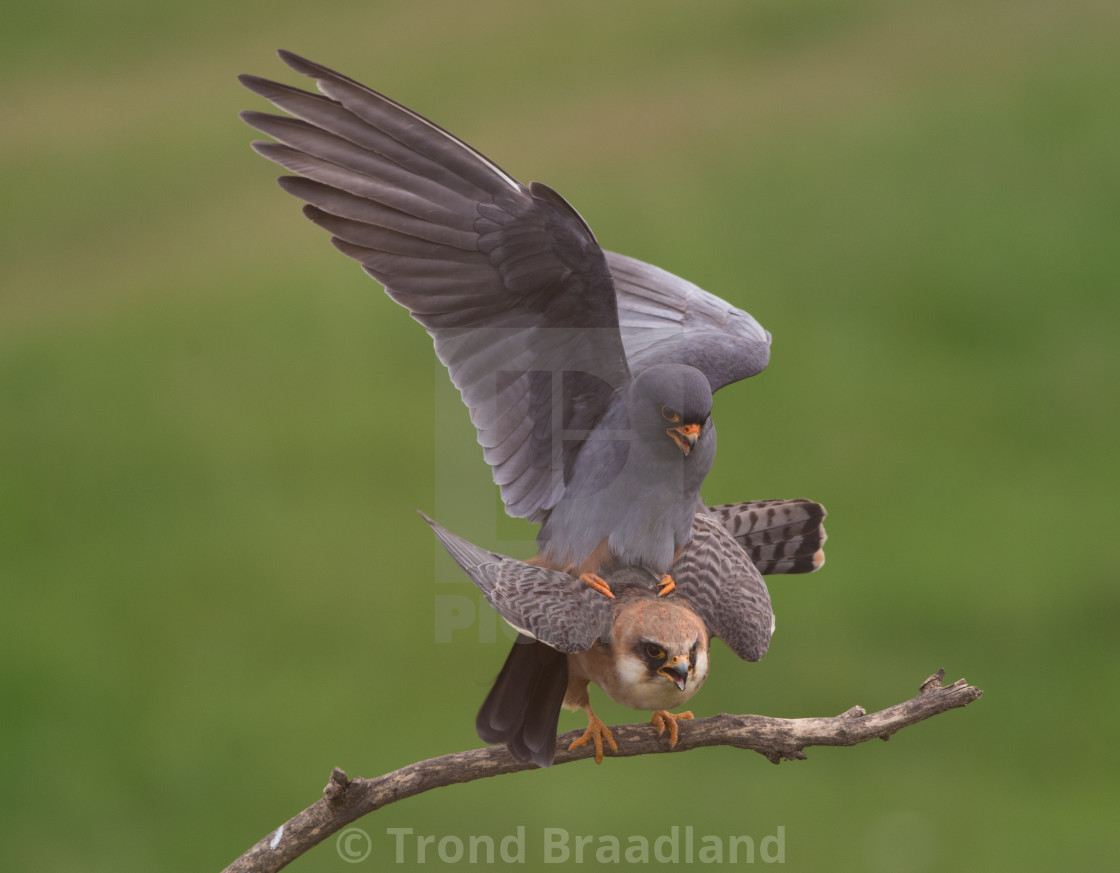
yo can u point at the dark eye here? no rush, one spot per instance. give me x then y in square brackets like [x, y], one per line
[655, 651]
[669, 414]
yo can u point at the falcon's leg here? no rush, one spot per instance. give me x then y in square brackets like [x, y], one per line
[663, 719]
[593, 580]
[595, 732]
[665, 585]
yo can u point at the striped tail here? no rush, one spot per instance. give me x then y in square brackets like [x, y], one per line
[780, 536]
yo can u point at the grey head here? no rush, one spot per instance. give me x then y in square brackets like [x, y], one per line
[636, 481]
[670, 400]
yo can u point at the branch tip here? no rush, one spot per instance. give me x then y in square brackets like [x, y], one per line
[933, 682]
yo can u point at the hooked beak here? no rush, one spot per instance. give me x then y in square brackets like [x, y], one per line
[685, 436]
[677, 671]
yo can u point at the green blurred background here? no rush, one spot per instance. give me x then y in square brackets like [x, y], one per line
[214, 428]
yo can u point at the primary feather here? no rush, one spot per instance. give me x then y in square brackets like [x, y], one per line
[550, 340]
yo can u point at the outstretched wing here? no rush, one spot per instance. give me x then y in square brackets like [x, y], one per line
[547, 605]
[667, 319]
[725, 589]
[507, 278]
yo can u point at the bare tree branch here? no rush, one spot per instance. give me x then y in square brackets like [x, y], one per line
[345, 800]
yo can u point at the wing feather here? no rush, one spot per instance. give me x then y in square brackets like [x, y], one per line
[507, 279]
[547, 605]
[464, 247]
[725, 589]
[667, 319]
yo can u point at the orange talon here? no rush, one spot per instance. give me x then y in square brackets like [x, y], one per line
[662, 719]
[665, 585]
[593, 581]
[595, 732]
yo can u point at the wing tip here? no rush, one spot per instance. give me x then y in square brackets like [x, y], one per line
[301, 64]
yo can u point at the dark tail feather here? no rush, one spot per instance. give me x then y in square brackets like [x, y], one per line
[780, 536]
[522, 710]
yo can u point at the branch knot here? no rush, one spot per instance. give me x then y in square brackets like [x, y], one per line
[335, 789]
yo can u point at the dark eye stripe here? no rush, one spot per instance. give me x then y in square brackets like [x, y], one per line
[653, 652]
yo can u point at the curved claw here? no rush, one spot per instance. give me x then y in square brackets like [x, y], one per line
[665, 585]
[591, 580]
[662, 719]
[595, 733]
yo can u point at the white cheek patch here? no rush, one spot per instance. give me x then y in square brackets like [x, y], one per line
[631, 671]
[700, 671]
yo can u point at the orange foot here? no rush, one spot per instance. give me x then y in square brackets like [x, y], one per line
[662, 719]
[595, 732]
[665, 585]
[593, 581]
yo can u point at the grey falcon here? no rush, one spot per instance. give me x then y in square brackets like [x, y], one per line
[588, 375]
[645, 651]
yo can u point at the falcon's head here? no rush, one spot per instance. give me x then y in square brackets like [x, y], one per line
[672, 399]
[660, 654]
